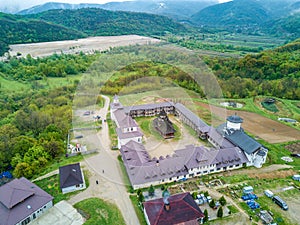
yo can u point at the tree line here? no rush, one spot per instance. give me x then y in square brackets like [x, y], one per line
[271, 72]
[29, 69]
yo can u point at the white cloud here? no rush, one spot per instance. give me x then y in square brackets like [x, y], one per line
[222, 1]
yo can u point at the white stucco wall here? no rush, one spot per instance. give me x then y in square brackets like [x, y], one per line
[125, 141]
[39, 212]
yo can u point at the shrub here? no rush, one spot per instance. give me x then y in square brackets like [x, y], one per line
[220, 212]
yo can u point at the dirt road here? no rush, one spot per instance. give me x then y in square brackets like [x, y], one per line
[104, 168]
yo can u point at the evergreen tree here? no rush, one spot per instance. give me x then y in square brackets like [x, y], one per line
[205, 219]
[141, 197]
[212, 203]
[222, 201]
[220, 212]
[151, 190]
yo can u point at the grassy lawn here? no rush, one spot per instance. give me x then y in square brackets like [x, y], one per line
[280, 216]
[125, 176]
[138, 209]
[145, 123]
[98, 211]
[11, 86]
[51, 186]
[232, 209]
[112, 131]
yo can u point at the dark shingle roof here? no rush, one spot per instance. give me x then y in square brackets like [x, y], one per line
[239, 138]
[164, 126]
[235, 119]
[202, 126]
[70, 175]
[19, 199]
[130, 134]
[127, 109]
[182, 209]
[123, 120]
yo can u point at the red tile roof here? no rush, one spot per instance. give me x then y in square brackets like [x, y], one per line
[182, 209]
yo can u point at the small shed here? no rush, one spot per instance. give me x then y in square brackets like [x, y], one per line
[247, 190]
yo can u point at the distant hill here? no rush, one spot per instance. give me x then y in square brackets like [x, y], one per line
[96, 22]
[57, 25]
[176, 9]
[15, 29]
[56, 5]
[288, 26]
[234, 13]
[280, 8]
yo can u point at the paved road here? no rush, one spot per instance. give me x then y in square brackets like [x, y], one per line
[104, 167]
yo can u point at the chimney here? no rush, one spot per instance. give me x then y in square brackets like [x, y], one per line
[167, 206]
[166, 195]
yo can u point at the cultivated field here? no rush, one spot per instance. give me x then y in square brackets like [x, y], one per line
[260, 126]
[85, 45]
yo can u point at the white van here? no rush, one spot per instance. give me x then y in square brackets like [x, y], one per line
[269, 193]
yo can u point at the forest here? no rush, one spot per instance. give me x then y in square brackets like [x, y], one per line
[269, 73]
[17, 29]
[34, 124]
[33, 129]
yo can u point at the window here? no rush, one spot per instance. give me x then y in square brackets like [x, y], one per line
[26, 221]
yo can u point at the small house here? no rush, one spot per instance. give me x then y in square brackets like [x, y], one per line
[71, 178]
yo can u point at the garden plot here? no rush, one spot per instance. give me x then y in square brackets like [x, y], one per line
[262, 127]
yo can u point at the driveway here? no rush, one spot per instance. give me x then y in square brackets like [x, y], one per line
[61, 213]
[104, 168]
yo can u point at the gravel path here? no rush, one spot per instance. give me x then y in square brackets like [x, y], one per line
[104, 168]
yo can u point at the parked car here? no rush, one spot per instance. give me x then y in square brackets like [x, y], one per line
[280, 202]
[268, 193]
[87, 113]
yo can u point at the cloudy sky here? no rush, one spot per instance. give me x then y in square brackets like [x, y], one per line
[16, 5]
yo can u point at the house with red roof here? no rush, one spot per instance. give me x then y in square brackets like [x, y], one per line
[179, 209]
